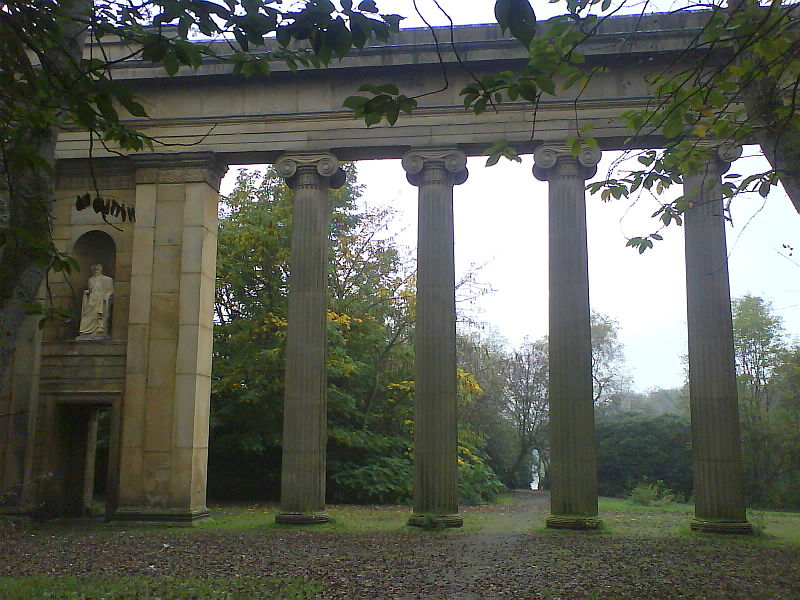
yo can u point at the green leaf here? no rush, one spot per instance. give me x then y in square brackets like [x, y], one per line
[355, 102]
[341, 39]
[516, 16]
[673, 126]
[389, 88]
[368, 6]
[283, 35]
[170, 63]
[82, 202]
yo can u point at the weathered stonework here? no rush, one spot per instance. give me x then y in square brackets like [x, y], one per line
[716, 443]
[304, 413]
[573, 463]
[164, 434]
[435, 172]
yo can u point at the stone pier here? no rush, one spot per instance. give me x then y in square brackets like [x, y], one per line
[716, 446]
[435, 172]
[164, 433]
[573, 463]
[304, 414]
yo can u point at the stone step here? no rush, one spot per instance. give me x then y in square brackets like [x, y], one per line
[83, 348]
[83, 372]
[72, 362]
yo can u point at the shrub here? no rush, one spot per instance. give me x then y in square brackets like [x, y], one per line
[637, 448]
[386, 480]
[653, 494]
[477, 482]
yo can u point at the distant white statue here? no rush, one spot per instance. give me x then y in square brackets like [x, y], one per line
[96, 305]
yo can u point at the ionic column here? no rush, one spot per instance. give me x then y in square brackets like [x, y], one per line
[435, 172]
[573, 463]
[304, 413]
[716, 447]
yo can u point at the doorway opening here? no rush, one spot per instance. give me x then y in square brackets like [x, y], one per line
[84, 474]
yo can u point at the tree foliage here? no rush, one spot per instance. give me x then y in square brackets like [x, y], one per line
[512, 410]
[766, 370]
[634, 448]
[647, 439]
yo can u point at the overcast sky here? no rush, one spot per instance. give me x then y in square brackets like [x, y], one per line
[501, 223]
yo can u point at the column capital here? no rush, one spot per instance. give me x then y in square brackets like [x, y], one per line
[452, 160]
[324, 163]
[180, 167]
[722, 154]
[557, 159]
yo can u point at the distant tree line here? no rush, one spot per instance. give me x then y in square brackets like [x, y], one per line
[647, 438]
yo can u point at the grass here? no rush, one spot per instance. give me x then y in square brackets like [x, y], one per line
[620, 517]
[156, 588]
[344, 519]
[493, 518]
[626, 518]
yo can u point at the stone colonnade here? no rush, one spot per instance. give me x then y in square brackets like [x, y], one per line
[163, 435]
[715, 426]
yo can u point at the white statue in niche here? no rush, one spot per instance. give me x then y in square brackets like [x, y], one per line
[96, 305]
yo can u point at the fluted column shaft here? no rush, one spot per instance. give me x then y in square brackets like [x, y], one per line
[304, 413]
[572, 449]
[716, 446]
[435, 426]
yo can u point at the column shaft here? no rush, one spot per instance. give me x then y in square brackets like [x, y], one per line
[716, 449]
[305, 409]
[573, 463]
[435, 425]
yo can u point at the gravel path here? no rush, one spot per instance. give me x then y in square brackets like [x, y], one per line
[423, 565]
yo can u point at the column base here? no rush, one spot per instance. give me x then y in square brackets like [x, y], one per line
[428, 521]
[286, 518]
[714, 526]
[174, 516]
[573, 522]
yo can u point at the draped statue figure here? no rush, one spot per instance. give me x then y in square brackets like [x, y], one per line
[96, 305]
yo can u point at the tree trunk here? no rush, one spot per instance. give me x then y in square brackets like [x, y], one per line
[29, 191]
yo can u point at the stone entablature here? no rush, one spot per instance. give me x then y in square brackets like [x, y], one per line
[251, 120]
[632, 34]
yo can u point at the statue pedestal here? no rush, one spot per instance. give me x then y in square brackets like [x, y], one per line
[88, 337]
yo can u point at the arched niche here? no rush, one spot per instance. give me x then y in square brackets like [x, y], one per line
[91, 248]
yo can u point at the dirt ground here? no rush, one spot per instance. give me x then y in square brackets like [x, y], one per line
[429, 565]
